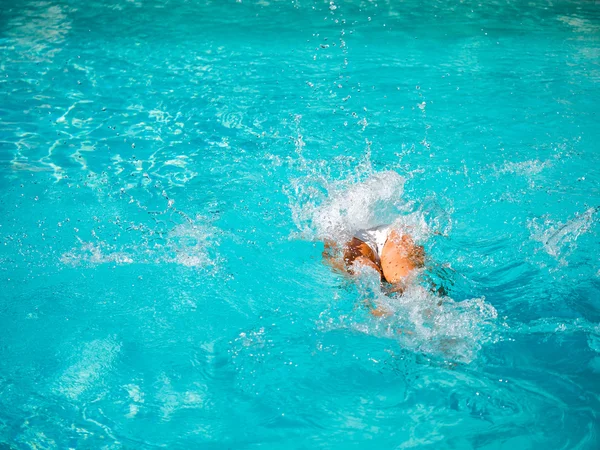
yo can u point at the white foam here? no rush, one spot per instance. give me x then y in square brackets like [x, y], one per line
[189, 242]
[335, 210]
[420, 320]
[186, 244]
[525, 168]
[558, 238]
[94, 253]
[136, 395]
[91, 362]
[363, 205]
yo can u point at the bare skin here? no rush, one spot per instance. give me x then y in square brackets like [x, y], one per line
[400, 256]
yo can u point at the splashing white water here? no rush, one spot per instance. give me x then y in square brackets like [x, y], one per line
[525, 168]
[560, 239]
[89, 364]
[186, 244]
[419, 320]
[336, 210]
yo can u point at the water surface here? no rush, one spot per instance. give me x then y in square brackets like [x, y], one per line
[167, 170]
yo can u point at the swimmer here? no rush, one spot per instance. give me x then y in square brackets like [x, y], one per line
[393, 254]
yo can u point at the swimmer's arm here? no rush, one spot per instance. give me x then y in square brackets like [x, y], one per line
[335, 263]
[354, 255]
[380, 312]
[376, 310]
[366, 262]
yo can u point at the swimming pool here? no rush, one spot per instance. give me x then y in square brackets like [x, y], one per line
[168, 169]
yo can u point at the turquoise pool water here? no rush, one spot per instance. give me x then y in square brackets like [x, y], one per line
[168, 169]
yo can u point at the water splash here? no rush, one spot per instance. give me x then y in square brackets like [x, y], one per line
[525, 168]
[348, 207]
[186, 244]
[325, 208]
[419, 320]
[90, 364]
[559, 239]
